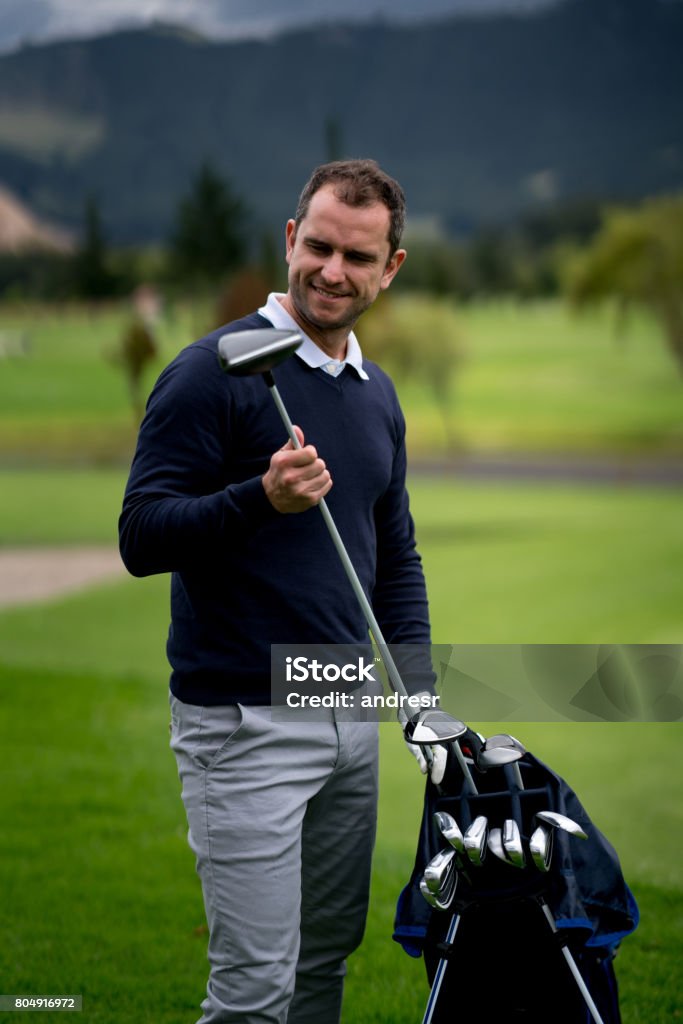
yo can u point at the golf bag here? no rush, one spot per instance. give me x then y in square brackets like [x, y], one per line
[494, 950]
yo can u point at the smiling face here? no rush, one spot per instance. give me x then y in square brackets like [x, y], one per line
[338, 263]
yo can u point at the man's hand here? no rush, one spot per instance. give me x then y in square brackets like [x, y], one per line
[427, 734]
[430, 733]
[296, 478]
[439, 757]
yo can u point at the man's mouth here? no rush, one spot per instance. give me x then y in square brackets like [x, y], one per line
[328, 294]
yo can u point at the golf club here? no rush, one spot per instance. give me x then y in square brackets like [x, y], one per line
[499, 750]
[541, 847]
[450, 830]
[253, 352]
[558, 820]
[571, 963]
[512, 843]
[435, 872]
[442, 899]
[495, 844]
[475, 840]
[440, 971]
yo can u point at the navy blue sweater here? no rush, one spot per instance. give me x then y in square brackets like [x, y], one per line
[245, 575]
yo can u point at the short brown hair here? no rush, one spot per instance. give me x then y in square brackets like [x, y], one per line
[359, 183]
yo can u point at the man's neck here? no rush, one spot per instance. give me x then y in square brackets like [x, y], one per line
[332, 343]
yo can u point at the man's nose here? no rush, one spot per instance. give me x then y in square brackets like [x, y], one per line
[333, 268]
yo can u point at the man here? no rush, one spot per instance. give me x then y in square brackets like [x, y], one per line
[281, 813]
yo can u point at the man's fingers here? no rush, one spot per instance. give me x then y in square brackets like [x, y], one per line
[289, 446]
[296, 457]
[297, 478]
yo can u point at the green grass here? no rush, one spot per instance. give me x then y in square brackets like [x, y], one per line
[99, 894]
[518, 563]
[58, 507]
[533, 379]
[66, 401]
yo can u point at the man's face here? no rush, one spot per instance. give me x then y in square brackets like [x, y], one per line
[338, 261]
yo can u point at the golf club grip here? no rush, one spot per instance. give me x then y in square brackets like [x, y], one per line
[389, 663]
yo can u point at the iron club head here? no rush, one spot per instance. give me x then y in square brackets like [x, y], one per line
[475, 840]
[512, 843]
[436, 871]
[440, 900]
[558, 820]
[495, 844]
[428, 894]
[541, 847]
[449, 829]
[246, 353]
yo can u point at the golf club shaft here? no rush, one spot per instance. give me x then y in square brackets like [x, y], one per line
[389, 663]
[571, 963]
[392, 670]
[440, 971]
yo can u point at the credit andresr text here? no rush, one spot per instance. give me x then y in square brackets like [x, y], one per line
[341, 699]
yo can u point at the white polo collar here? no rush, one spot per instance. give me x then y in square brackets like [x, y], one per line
[311, 354]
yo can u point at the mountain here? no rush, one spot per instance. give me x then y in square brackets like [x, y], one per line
[479, 118]
[22, 232]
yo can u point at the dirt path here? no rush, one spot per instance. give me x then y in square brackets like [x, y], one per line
[38, 574]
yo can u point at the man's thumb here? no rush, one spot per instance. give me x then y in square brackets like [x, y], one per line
[290, 445]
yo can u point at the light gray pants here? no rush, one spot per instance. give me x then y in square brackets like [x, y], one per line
[282, 819]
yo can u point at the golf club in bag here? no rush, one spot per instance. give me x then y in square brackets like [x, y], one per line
[259, 351]
[527, 922]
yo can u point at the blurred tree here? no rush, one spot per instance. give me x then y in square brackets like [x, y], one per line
[245, 292]
[437, 267]
[209, 236]
[418, 337]
[637, 259]
[92, 276]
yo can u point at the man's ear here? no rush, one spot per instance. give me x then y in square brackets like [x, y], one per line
[391, 269]
[290, 238]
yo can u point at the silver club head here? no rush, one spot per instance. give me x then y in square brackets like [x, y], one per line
[512, 843]
[427, 893]
[499, 750]
[504, 739]
[475, 840]
[558, 820]
[443, 899]
[495, 844]
[434, 727]
[496, 757]
[246, 353]
[541, 847]
[450, 830]
[435, 872]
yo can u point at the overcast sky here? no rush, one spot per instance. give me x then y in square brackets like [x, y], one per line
[40, 20]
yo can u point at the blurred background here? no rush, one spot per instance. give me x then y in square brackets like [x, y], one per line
[150, 154]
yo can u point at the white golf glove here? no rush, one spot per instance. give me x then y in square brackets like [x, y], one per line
[439, 757]
[427, 734]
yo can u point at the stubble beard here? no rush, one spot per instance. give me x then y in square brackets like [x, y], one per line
[345, 322]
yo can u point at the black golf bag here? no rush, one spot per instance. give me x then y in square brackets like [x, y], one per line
[494, 951]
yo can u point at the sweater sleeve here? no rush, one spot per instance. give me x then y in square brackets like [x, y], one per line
[177, 512]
